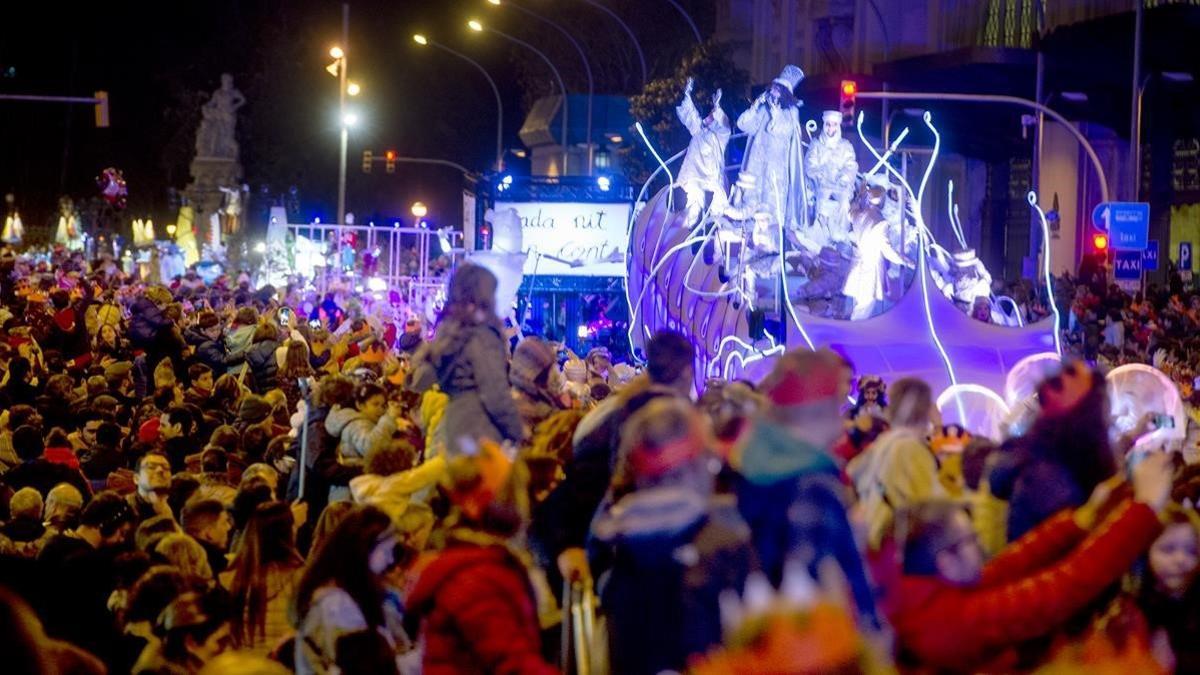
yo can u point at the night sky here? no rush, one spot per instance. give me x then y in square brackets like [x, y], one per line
[159, 61]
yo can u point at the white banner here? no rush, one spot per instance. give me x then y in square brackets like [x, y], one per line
[573, 238]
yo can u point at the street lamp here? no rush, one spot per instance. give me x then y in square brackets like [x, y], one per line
[479, 28]
[587, 67]
[419, 209]
[1135, 143]
[353, 89]
[338, 70]
[425, 41]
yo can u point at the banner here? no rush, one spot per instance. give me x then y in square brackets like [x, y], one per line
[573, 238]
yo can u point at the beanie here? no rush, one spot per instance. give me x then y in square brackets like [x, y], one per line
[254, 409]
[530, 359]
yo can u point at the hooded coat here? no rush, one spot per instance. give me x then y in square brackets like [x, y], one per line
[471, 364]
[357, 436]
[672, 553]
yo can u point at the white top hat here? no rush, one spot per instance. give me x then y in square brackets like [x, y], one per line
[831, 115]
[966, 257]
[789, 77]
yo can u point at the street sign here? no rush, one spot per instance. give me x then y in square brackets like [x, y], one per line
[1127, 266]
[1185, 256]
[1127, 224]
[1150, 256]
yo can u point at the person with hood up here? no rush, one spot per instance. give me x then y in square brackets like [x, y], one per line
[474, 599]
[535, 381]
[207, 338]
[369, 425]
[264, 366]
[469, 355]
[241, 335]
[789, 489]
[674, 546]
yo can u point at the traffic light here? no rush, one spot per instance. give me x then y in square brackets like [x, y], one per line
[101, 109]
[1100, 242]
[390, 161]
[368, 158]
[849, 94]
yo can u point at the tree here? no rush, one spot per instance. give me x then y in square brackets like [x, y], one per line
[712, 67]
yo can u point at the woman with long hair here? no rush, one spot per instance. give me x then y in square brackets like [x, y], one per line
[469, 355]
[369, 425]
[108, 346]
[295, 368]
[262, 578]
[342, 597]
[226, 397]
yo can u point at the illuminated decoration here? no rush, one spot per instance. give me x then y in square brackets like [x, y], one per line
[1136, 390]
[185, 235]
[14, 230]
[1033, 202]
[112, 187]
[976, 408]
[69, 234]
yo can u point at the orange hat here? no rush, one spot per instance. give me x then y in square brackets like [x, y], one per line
[489, 470]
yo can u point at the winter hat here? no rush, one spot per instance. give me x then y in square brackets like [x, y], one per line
[805, 377]
[532, 357]
[116, 372]
[148, 432]
[26, 502]
[65, 319]
[254, 409]
[476, 478]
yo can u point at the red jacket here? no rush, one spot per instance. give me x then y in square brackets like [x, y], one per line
[478, 614]
[1027, 591]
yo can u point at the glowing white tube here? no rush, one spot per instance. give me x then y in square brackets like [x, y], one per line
[1032, 199]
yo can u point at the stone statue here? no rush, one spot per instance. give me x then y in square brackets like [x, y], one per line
[216, 138]
[833, 167]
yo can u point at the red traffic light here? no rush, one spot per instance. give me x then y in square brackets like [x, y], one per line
[849, 87]
[1100, 242]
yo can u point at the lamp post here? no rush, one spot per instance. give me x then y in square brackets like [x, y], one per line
[587, 67]
[1135, 141]
[425, 41]
[479, 28]
[628, 31]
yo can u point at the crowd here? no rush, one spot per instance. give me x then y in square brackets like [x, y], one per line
[220, 479]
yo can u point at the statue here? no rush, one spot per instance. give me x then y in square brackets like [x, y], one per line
[703, 168]
[833, 168]
[865, 284]
[216, 137]
[774, 155]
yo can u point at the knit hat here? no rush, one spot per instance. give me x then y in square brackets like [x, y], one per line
[149, 431]
[26, 502]
[254, 409]
[530, 359]
[117, 371]
[476, 479]
[805, 377]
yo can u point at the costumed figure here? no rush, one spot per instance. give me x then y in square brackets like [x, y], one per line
[231, 211]
[775, 156]
[171, 263]
[506, 259]
[971, 280]
[185, 235]
[703, 168]
[832, 166]
[865, 284]
[143, 233]
[70, 232]
[872, 398]
[14, 230]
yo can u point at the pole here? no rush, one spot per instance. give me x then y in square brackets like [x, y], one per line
[341, 203]
[495, 91]
[557, 76]
[1010, 100]
[1135, 150]
[1136, 143]
[587, 67]
[1039, 95]
[628, 31]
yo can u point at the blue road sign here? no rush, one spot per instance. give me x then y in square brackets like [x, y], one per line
[1127, 224]
[1185, 256]
[1127, 265]
[1150, 256]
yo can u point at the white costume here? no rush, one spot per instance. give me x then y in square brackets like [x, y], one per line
[775, 156]
[832, 166]
[865, 282]
[14, 230]
[703, 168]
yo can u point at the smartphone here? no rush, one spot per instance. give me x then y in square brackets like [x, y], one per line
[315, 323]
[1164, 421]
[285, 316]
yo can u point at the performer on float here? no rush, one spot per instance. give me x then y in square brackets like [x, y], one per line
[14, 230]
[703, 168]
[832, 166]
[865, 284]
[774, 155]
[69, 233]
